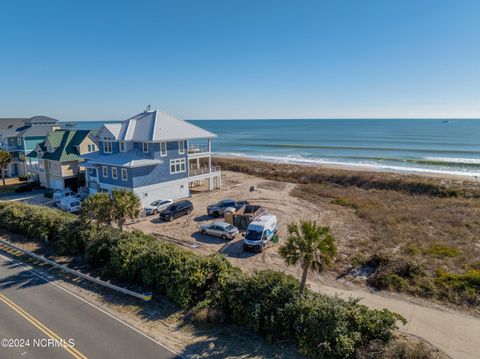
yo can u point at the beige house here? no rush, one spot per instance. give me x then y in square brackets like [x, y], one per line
[59, 162]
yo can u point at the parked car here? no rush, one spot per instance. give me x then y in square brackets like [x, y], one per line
[223, 230]
[158, 206]
[176, 210]
[218, 209]
[58, 194]
[259, 232]
[70, 204]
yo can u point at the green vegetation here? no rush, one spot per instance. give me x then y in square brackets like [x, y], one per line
[345, 202]
[267, 302]
[5, 160]
[441, 251]
[309, 245]
[429, 223]
[120, 207]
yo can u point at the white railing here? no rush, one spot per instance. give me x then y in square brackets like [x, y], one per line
[203, 171]
[194, 149]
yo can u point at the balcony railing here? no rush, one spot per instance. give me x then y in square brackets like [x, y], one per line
[7, 147]
[203, 171]
[195, 149]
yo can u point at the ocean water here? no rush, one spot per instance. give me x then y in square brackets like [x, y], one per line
[426, 145]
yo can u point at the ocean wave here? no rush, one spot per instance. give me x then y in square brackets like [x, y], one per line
[296, 159]
[367, 148]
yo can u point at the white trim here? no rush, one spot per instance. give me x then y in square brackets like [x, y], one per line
[183, 142]
[177, 162]
[114, 173]
[104, 146]
[124, 174]
[104, 171]
[166, 151]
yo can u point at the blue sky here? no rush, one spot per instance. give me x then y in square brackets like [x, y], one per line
[87, 59]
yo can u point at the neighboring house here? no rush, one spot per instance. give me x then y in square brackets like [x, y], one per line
[20, 138]
[58, 156]
[151, 155]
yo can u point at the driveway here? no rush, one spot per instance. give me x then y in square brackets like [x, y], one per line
[34, 197]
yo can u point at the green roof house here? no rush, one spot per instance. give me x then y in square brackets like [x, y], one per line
[19, 136]
[58, 156]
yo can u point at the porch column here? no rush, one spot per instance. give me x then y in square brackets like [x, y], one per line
[198, 163]
[209, 145]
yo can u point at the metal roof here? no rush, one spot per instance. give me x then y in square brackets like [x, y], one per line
[65, 143]
[134, 158]
[155, 126]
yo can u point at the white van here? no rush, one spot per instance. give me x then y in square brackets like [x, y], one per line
[259, 232]
[70, 204]
[59, 194]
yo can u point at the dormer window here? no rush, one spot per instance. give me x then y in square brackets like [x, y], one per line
[123, 147]
[145, 147]
[49, 149]
[107, 146]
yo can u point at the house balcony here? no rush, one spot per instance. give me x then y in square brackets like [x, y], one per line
[204, 173]
[195, 151]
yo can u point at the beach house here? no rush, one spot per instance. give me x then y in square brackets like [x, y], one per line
[58, 156]
[155, 155]
[20, 137]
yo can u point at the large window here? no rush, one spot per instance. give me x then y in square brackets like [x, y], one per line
[177, 166]
[107, 146]
[181, 147]
[124, 174]
[105, 171]
[163, 149]
[145, 147]
[114, 173]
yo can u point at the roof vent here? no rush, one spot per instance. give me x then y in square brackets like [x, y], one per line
[147, 109]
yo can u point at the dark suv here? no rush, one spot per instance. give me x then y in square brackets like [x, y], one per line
[176, 210]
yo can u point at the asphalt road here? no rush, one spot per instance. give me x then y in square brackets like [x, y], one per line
[36, 315]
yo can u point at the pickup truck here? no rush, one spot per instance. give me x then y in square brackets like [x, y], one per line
[218, 209]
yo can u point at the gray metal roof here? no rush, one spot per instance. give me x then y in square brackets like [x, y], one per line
[134, 158]
[34, 131]
[9, 123]
[154, 126]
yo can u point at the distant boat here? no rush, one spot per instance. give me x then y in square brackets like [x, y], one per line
[446, 121]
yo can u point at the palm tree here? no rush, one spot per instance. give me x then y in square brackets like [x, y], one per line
[309, 245]
[126, 205]
[5, 160]
[98, 207]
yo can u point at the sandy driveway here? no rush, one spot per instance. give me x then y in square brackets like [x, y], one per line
[456, 333]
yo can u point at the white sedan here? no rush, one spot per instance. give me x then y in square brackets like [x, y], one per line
[158, 206]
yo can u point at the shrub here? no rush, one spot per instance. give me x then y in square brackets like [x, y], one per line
[23, 178]
[345, 202]
[267, 302]
[441, 251]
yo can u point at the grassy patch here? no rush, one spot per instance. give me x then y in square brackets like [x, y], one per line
[441, 251]
[345, 202]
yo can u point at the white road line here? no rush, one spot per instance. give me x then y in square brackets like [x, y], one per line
[34, 271]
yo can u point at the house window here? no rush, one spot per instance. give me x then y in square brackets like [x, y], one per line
[181, 147]
[124, 174]
[163, 149]
[105, 171]
[19, 141]
[177, 166]
[114, 173]
[107, 147]
[56, 168]
[123, 147]
[145, 147]
[91, 148]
